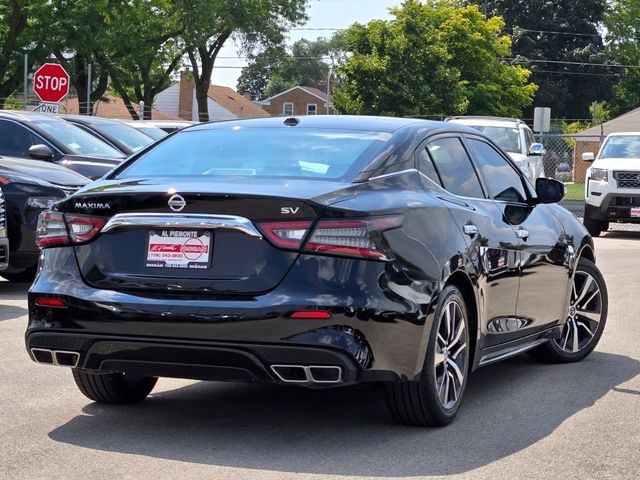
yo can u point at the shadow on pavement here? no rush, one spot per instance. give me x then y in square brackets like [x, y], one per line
[13, 291]
[622, 234]
[508, 407]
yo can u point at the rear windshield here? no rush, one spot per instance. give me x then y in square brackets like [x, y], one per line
[259, 152]
[128, 136]
[621, 146]
[75, 139]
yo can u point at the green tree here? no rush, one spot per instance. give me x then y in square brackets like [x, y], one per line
[434, 58]
[78, 37]
[623, 44]
[210, 23]
[547, 34]
[145, 51]
[307, 63]
[20, 20]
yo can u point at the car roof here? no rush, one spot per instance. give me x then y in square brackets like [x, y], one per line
[622, 134]
[486, 121]
[26, 116]
[89, 119]
[338, 122]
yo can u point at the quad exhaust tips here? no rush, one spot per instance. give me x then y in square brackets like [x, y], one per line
[308, 374]
[55, 357]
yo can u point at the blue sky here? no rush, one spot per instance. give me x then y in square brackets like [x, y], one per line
[322, 14]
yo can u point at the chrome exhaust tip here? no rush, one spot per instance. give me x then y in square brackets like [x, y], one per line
[325, 374]
[308, 374]
[61, 358]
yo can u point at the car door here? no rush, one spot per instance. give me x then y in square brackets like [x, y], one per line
[491, 242]
[541, 240]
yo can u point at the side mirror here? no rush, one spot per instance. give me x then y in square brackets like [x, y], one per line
[588, 157]
[549, 190]
[40, 152]
[537, 149]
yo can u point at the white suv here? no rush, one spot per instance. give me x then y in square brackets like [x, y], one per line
[612, 184]
[514, 137]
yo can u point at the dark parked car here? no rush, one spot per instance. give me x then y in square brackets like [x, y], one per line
[168, 126]
[154, 132]
[27, 188]
[119, 135]
[320, 251]
[44, 137]
[4, 241]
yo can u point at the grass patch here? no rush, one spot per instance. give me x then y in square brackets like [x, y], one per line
[575, 191]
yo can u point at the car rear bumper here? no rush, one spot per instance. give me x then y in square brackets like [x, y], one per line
[220, 361]
[372, 334]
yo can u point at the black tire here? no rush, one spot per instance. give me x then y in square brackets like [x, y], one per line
[556, 351]
[25, 276]
[418, 402]
[115, 388]
[594, 227]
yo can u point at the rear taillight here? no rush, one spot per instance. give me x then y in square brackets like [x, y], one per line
[83, 228]
[352, 238]
[55, 229]
[51, 230]
[285, 234]
[361, 238]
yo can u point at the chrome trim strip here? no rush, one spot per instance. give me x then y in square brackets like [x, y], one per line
[385, 175]
[189, 220]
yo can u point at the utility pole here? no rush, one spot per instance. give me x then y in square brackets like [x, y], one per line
[88, 110]
[329, 88]
[26, 79]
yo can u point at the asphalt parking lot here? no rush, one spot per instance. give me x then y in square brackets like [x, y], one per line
[520, 419]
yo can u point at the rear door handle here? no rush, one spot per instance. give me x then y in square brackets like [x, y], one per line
[522, 233]
[470, 229]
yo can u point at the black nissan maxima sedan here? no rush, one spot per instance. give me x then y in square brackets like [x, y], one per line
[318, 251]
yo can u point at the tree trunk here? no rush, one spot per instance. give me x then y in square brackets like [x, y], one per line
[202, 71]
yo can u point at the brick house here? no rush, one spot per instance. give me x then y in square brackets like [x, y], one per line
[298, 100]
[224, 103]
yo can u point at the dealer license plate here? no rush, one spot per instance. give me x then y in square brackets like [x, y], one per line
[635, 212]
[188, 249]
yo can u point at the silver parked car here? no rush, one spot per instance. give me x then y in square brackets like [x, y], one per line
[514, 137]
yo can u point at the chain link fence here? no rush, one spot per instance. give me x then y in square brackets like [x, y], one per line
[563, 161]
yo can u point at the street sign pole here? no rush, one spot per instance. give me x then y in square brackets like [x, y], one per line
[88, 110]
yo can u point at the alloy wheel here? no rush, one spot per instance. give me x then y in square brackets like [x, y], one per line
[450, 354]
[584, 314]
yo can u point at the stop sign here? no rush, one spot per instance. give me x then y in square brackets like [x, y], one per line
[51, 82]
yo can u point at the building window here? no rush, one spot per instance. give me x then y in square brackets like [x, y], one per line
[312, 109]
[287, 108]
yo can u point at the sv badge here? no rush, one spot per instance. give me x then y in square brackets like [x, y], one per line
[289, 210]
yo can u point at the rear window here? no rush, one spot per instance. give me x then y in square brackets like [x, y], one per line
[260, 152]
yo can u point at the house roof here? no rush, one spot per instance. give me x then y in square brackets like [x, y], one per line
[235, 103]
[629, 122]
[310, 90]
[112, 107]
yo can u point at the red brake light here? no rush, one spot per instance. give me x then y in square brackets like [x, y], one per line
[311, 315]
[50, 302]
[285, 234]
[51, 230]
